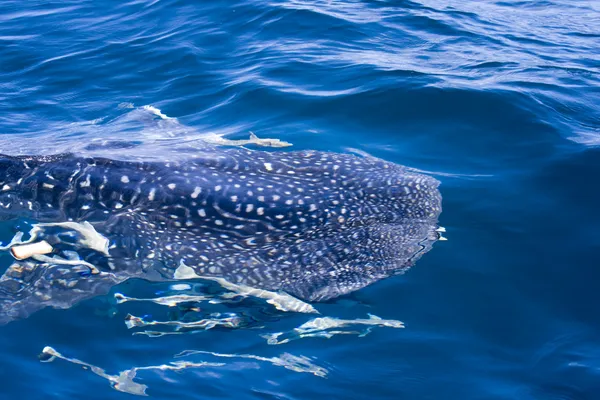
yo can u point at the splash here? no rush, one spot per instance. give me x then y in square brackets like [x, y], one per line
[219, 140]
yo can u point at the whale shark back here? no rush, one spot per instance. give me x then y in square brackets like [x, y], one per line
[316, 225]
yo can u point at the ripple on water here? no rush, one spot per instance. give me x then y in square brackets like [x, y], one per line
[498, 99]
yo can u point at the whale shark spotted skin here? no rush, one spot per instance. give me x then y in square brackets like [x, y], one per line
[315, 225]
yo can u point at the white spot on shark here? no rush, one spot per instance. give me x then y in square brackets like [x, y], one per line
[196, 192]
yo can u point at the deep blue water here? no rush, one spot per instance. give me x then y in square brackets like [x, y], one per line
[500, 101]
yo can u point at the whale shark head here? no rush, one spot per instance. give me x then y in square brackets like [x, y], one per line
[315, 225]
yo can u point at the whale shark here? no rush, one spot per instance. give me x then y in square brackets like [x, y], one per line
[314, 225]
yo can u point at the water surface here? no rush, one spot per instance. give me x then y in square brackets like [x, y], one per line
[498, 100]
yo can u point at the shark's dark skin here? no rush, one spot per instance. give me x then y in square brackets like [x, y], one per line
[316, 225]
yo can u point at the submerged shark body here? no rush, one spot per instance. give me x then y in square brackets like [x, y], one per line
[315, 225]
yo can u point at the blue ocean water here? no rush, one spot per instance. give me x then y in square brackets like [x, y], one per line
[500, 101]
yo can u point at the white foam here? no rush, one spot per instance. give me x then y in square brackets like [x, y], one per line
[156, 112]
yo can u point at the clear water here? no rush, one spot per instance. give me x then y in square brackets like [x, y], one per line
[498, 100]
